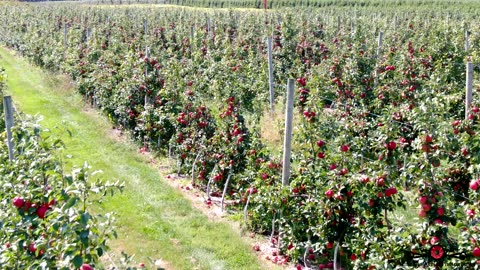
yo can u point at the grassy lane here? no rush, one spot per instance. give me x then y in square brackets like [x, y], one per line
[153, 219]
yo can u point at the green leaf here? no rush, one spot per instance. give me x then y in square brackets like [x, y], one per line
[77, 261]
[84, 218]
[70, 203]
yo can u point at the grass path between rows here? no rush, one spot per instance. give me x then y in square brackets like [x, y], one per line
[154, 220]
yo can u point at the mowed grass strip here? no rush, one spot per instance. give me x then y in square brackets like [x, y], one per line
[154, 220]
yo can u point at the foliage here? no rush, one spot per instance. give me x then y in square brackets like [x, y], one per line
[379, 130]
[46, 220]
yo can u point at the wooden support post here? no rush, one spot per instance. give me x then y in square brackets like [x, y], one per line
[8, 110]
[270, 76]
[468, 89]
[288, 133]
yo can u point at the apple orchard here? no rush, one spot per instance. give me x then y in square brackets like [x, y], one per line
[385, 152]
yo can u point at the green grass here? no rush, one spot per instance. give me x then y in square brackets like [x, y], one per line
[153, 219]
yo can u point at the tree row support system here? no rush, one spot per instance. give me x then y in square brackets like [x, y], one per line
[8, 110]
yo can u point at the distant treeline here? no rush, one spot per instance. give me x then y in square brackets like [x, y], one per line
[324, 3]
[271, 4]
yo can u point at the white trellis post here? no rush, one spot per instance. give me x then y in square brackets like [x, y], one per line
[468, 88]
[209, 25]
[395, 26]
[192, 36]
[88, 35]
[288, 132]
[147, 97]
[8, 110]
[146, 57]
[352, 28]
[270, 75]
[338, 24]
[65, 41]
[380, 44]
[145, 29]
[467, 42]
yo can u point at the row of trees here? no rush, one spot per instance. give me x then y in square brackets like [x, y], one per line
[380, 131]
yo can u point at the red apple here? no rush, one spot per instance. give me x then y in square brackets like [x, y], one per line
[41, 211]
[86, 267]
[390, 68]
[329, 245]
[391, 145]
[440, 211]
[320, 143]
[18, 202]
[302, 81]
[32, 248]
[329, 193]
[474, 184]
[428, 139]
[390, 191]
[470, 213]
[423, 199]
[434, 240]
[343, 171]
[381, 181]
[476, 252]
[426, 207]
[365, 179]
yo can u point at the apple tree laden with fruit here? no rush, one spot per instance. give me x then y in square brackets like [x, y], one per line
[380, 132]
